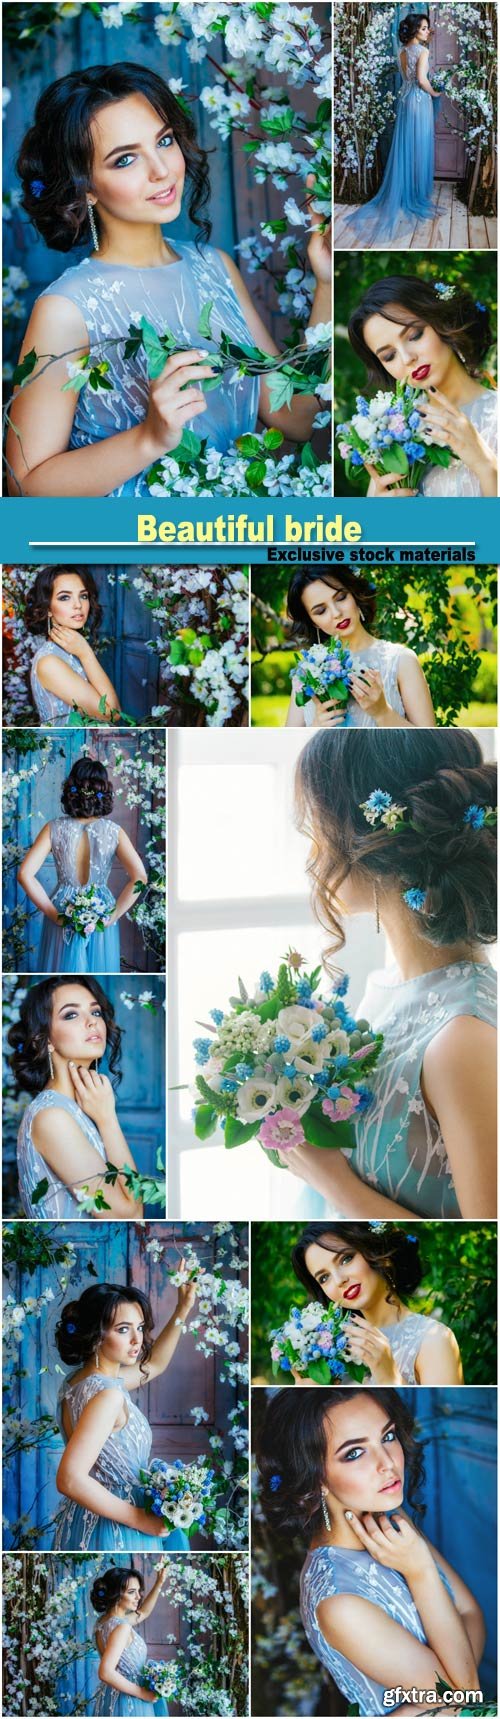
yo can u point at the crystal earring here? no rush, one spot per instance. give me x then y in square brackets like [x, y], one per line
[96, 1359]
[51, 1064]
[361, 615]
[377, 914]
[318, 635]
[324, 1508]
[93, 226]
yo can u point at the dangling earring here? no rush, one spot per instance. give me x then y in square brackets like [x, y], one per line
[361, 616]
[93, 226]
[96, 1359]
[318, 635]
[51, 1064]
[49, 624]
[324, 1508]
[377, 914]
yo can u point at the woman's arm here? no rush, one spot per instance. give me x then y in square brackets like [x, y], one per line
[108, 1673]
[58, 677]
[28, 878]
[459, 1087]
[42, 413]
[295, 714]
[72, 1158]
[439, 1361]
[468, 1608]
[368, 691]
[379, 1647]
[331, 1175]
[151, 1600]
[450, 427]
[137, 873]
[422, 73]
[98, 1420]
[165, 1344]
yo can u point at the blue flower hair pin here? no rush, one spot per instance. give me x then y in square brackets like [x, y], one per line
[381, 811]
[37, 188]
[444, 290]
[275, 1482]
[379, 808]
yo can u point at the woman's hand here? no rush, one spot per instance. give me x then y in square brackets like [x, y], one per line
[451, 428]
[174, 399]
[328, 713]
[70, 640]
[386, 483]
[367, 689]
[319, 250]
[146, 1524]
[186, 1295]
[94, 1094]
[301, 1378]
[369, 1346]
[398, 1548]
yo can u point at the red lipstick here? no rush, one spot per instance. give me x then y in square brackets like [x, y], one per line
[421, 374]
[351, 1294]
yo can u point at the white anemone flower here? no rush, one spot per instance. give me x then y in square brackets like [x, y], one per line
[255, 1099]
[295, 1093]
[310, 1057]
[297, 1024]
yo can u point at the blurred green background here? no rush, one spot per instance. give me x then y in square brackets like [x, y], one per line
[459, 1286]
[448, 616]
[354, 271]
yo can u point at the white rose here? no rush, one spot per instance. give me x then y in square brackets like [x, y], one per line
[297, 1024]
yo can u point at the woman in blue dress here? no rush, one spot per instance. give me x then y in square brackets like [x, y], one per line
[110, 152]
[406, 188]
[65, 672]
[70, 1129]
[84, 842]
[380, 1606]
[107, 1334]
[119, 1599]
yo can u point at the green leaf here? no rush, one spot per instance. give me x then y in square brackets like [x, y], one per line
[236, 1133]
[273, 439]
[395, 460]
[308, 458]
[189, 447]
[281, 390]
[320, 1372]
[319, 1131]
[156, 348]
[25, 368]
[248, 445]
[279, 124]
[256, 473]
[40, 1191]
[204, 322]
[323, 112]
[206, 1120]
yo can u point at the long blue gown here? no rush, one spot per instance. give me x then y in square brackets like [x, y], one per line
[62, 951]
[131, 1662]
[117, 1467]
[407, 184]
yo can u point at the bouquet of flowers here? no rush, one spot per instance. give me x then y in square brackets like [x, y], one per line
[322, 672]
[183, 1492]
[312, 1342]
[286, 1065]
[87, 911]
[390, 433]
[161, 1677]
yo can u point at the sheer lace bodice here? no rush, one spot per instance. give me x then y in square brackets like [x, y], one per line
[406, 1340]
[65, 837]
[384, 656]
[59, 1201]
[330, 1570]
[409, 73]
[111, 297]
[457, 479]
[51, 708]
[134, 1655]
[123, 1453]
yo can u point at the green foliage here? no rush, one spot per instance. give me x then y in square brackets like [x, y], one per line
[354, 272]
[443, 615]
[459, 1287]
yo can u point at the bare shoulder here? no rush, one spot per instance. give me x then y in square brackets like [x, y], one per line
[341, 1617]
[454, 1050]
[56, 322]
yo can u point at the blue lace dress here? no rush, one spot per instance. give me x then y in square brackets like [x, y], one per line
[384, 656]
[131, 1663]
[406, 187]
[61, 950]
[330, 1570]
[110, 297]
[117, 1467]
[59, 1200]
[51, 708]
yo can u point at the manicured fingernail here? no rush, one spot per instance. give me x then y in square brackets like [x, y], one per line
[348, 1515]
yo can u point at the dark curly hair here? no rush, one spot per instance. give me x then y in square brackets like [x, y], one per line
[436, 773]
[56, 156]
[36, 612]
[84, 1323]
[87, 791]
[29, 1036]
[389, 1252]
[109, 1588]
[409, 26]
[461, 324]
[292, 1447]
[305, 630]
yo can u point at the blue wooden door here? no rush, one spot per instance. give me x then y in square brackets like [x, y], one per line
[39, 801]
[134, 669]
[141, 1094]
[113, 1253]
[458, 1428]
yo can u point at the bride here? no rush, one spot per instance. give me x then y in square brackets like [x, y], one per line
[406, 187]
[387, 688]
[107, 1336]
[108, 156]
[119, 1599]
[84, 843]
[402, 827]
[65, 671]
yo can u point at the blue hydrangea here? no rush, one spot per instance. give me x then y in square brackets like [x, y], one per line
[415, 450]
[362, 406]
[415, 898]
[285, 1364]
[321, 1077]
[281, 1043]
[340, 1063]
[343, 985]
[303, 990]
[356, 459]
[318, 1033]
[414, 421]
[228, 1085]
[203, 1048]
[365, 1099]
[475, 816]
[244, 1070]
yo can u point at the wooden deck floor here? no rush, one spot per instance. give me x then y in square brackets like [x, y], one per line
[452, 228]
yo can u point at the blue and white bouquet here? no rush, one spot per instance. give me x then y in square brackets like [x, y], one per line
[322, 672]
[184, 1493]
[312, 1343]
[389, 433]
[161, 1676]
[86, 911]
[284, 1064]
